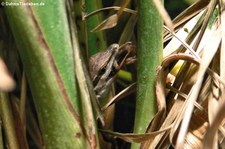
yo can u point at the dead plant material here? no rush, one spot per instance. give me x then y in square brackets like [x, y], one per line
[191, 106]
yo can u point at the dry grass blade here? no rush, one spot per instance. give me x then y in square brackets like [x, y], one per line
[213, 107]
[128, 30]
[111, 21]
[161, 138]
[216, 102]
[189, 125]
[109, 8]
[209, 13]
[135, 138]
[187, 33]
[128, 90]
[207, 57]
[209, 139]
[222, 55]
[183, 43]
[161, 98]
[190, 12]
[124, 4]
[108, 23]
[164, 14]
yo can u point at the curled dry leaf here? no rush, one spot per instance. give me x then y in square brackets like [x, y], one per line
[6, 81]
[110, 22]
[128, 90]
[137, 138]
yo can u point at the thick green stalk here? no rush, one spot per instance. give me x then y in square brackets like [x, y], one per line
[43, 39]
[150, 45]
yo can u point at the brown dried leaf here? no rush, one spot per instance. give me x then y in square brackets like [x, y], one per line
[190, 12]
[209, 139]
[111, 21]
[135, 138]
[108, 23]
[164, 14]
[209, 51]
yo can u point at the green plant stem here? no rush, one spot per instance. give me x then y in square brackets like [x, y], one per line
[8, 121]
[1, 137]
[150, 45]
[95, 40]
[43, 39]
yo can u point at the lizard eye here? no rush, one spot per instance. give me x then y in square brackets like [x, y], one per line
[113, 47]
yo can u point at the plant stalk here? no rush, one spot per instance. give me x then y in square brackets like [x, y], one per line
[150, 46]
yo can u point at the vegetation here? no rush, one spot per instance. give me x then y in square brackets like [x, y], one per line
[159, 85]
